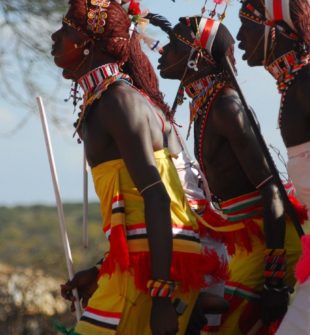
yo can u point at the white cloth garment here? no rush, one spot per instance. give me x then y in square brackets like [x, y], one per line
[298, 167]
[191, 181]
[297, 318]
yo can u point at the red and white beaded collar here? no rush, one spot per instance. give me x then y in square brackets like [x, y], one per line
[96, 77]
[97, 81]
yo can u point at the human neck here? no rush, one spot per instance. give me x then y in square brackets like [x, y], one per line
[201, 73]
[284, 66]
[97, 76]
[95, 59]
[282, 45]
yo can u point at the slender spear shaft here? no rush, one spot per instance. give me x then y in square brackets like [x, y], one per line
[85, 202]
[288, 206]
[60, 211]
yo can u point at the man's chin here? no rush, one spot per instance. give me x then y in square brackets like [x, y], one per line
[251, 62]
[67, 74]
[164, 74]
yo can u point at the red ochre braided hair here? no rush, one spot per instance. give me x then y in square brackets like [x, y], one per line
[125, 49]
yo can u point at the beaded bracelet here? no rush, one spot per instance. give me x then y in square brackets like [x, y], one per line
[275, 268]
[161, 288]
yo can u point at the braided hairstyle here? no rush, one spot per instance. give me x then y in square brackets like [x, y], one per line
[300, 11]
[117, 43]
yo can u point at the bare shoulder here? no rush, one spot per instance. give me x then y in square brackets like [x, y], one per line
[119, 96]
[120, 103]
[227, 109]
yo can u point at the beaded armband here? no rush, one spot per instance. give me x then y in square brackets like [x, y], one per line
[275, 269]
[161, 288]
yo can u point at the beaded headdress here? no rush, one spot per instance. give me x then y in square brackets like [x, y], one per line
[279, 10]
[276, 11]
[97, 14]
[275, 14]
[203, 34]
[206, 31]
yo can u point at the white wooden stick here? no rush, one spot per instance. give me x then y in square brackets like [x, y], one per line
[60, 211]
[254, 330]
[85, 201]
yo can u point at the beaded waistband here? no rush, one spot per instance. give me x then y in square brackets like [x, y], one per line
[243, 207]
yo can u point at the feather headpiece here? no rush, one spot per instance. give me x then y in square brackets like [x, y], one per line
[160, 21]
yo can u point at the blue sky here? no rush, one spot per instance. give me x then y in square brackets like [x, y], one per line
[24, 171]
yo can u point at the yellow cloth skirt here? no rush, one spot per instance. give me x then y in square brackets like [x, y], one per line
[118, 292]
[246, 281]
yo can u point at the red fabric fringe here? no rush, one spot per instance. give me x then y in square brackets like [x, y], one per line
[232, 239]
[302, 270]
[249, 317]
[242, 237]
[118, 254]
[234, 302]
[187, 269]
[210, 329]
[300, 209]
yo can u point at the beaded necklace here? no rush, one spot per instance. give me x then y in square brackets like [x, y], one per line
[95, 83]
[200, 91]
[203, 92]
[285, 69]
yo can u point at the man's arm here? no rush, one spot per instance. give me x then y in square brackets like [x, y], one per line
[123, 117]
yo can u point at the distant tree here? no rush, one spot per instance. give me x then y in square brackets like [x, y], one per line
[25, 62]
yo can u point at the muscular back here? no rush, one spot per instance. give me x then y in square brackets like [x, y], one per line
[295, 124]
[123, 106]
[233, 160]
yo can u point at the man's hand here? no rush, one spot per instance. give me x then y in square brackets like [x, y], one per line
[206, 303]
[273, 305]
[197, 320]
[85, 282]
[164, 319]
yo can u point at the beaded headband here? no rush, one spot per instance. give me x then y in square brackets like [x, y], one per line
[206, 34]
[275, 12]
[71, 24]
[194, 46]
[204, 38]
[279, 10]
